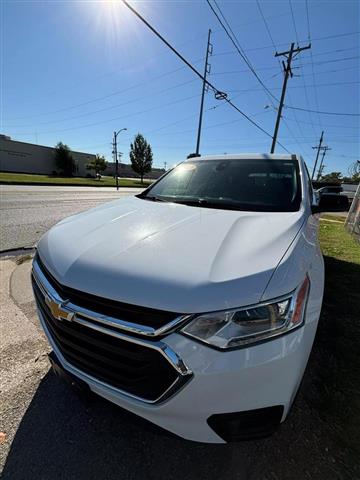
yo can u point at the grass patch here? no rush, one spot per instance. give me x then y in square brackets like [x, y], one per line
[332, 385]
[338, 218]
[33, 179]
[337, 243]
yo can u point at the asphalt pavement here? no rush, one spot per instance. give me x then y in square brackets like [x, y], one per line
[48, 431]
[27, 212]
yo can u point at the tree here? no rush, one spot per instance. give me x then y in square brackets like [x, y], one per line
[141, 156]
[335, 177]
[64, 160]
[99, 164]
[354, 171]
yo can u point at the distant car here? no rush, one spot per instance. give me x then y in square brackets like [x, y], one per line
[333, 191]
[329, 189]
[349, 190]
[195, 303]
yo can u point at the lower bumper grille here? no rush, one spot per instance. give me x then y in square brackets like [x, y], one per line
[136, 369]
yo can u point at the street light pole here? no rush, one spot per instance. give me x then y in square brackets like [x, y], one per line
[116, 157]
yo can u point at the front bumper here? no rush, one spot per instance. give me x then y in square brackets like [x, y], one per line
[257, 377]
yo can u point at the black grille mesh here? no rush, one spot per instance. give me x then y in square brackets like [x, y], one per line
[136, 369]
[131, 313]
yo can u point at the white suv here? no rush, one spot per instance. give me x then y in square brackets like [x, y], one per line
[194, 304]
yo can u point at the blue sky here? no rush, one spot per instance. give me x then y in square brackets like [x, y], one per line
[76, 71]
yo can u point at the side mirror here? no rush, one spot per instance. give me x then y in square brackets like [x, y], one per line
[331, 202]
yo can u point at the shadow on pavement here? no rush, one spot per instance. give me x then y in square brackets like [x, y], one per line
[61, 437]
[64, 436]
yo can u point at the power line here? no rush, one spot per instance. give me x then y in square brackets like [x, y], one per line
[312, 58]
[327, 125]
[281, 71]
[338, 50]
[332, 71]
[112, 94]
[118, 118]
[328, 37]
[330, 84]
[111, 107]
[231, 72]
[300, 62]
[243, 54]
[335, 60]
[238, 47]
[324, 113]
[293, 21]
[218, 94]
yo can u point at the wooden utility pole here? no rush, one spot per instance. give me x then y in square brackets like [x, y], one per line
[318, 148]
[209, 50]
[290, 55]
[116, 156]
[324, 149]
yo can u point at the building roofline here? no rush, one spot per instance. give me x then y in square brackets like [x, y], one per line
[42, 146]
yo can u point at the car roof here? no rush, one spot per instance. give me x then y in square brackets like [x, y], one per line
[247, 156]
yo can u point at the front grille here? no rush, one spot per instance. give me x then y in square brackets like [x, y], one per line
[130, 313]
[134, 368]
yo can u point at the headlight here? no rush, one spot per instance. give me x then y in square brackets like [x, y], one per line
[242, 326]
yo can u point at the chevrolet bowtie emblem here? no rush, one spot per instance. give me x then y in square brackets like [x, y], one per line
[57, 309]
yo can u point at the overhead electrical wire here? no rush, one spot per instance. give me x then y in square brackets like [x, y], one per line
[238, 47]
[109, 95]
[219, 94]
[324, 113]
[281, 72]
[301, 66]
[332, 71]
[325, 125]
[312, 60]
[231, 72]
[116, 118]
[277, 45]
[111, 107]
[330, 84]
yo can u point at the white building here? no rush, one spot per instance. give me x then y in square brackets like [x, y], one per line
[22, 157]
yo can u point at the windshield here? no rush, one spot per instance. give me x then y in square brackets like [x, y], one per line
[260, 185]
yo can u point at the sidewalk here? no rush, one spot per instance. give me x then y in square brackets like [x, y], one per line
[23, 348]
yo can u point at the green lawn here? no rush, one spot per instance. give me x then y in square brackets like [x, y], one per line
[336, 242]
[24, 178]
[331, 388]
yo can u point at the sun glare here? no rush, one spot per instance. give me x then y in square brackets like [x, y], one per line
[112, 25]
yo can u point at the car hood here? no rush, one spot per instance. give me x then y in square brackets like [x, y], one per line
[169, 256]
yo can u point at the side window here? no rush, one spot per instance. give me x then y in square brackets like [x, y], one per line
[311, 191]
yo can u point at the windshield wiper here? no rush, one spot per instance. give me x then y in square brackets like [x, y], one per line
[202, 202]
[152, 198]
[219, 204]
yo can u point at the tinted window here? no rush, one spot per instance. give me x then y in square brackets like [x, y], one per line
[261, 185]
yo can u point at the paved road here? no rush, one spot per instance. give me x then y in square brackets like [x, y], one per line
[26, 212]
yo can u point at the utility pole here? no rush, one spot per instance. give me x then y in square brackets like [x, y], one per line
[165, 165]
[116, 160]
[116, 156]
[318, 148]
[209, 50]
[290, 55]
[324, 149]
